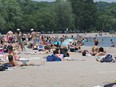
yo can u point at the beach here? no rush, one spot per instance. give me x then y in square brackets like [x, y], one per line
[84, 72]
[57, 43]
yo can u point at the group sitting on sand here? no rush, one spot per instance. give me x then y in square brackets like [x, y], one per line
[99, 53]
[12, 59]
[58, 54]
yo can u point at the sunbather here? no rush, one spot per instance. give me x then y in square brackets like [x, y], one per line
[13, 62]
[95, 48]
[102, 56]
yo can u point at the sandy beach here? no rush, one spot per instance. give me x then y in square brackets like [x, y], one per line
[57, 43]
[85, 72]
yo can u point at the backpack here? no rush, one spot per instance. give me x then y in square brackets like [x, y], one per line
[108, 58]
[5, 66]
[110, 85]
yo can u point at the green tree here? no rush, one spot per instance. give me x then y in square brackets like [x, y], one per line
[12, 13]
[64, 16]
[105, 22]
[45, 21]
[85, 14]
[107, 16]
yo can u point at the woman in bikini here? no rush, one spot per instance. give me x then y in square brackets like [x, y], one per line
[95, 48]
[19, 38]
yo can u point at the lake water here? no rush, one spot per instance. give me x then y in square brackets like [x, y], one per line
[103, 41]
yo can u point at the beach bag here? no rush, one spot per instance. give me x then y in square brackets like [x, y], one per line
[2, 68]
[5, 66]
[66, 55]
[110, 85]
[108, 58]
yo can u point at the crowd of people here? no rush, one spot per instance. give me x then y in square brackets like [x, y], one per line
[60, 48]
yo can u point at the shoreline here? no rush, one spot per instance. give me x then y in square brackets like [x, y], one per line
[83, 34]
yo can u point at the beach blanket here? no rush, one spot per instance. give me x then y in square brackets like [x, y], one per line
[27, 59]
[51, 58]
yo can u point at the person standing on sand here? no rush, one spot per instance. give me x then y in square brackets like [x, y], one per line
[79, 41]
[10, 36]
[34, 37]
[113, 44]
[19, 38]
[28, 37]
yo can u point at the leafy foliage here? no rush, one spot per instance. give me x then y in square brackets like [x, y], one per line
[74, 15]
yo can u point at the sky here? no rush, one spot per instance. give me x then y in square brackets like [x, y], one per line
[94, 0]
[106, 0]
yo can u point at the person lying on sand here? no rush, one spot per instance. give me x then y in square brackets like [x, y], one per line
[86, 53]
[13, 62]
[101, 52]
[102, 56]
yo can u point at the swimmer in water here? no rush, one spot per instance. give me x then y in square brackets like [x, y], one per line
[113, 44]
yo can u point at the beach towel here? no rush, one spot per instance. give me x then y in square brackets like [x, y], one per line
[100, 58]
[60, 56]
[24, 59]
[51, 58]
[1, 51]
[2, 68]
[27, 59]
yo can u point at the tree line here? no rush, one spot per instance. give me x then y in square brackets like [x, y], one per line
[58, 16]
